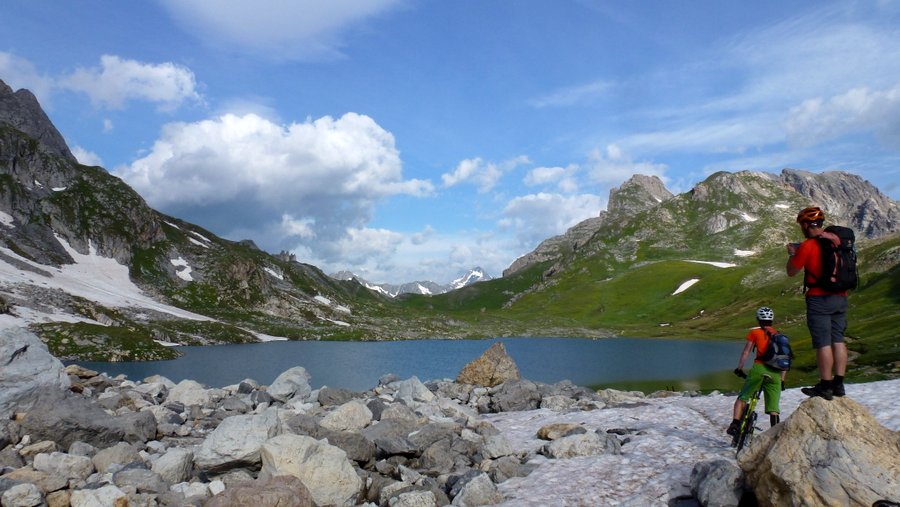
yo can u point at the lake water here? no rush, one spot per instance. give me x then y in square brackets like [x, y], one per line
[359, 365]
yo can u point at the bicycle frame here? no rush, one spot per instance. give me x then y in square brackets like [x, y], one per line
[748, 418]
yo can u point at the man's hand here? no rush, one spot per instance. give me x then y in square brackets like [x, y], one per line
[740, 373]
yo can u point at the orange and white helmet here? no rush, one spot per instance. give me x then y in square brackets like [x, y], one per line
[812, 214]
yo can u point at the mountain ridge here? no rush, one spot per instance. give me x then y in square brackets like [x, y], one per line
[424, 287]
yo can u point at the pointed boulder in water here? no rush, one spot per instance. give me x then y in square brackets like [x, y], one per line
[493, 368]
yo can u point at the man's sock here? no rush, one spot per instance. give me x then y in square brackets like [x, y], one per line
[838, 380]
[774, 419]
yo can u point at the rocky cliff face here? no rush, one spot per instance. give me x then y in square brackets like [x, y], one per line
[21, 111]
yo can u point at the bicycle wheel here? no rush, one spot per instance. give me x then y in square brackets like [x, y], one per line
[746, 434]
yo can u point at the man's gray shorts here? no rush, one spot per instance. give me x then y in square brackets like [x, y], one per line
[826, 317]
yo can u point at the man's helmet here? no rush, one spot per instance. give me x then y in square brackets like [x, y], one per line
[765, 313]
[813, 214]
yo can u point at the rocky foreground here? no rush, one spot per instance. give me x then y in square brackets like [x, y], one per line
[76, 437]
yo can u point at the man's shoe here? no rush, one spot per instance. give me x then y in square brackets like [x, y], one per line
[733, 428]
[818, 390]
[838, 390]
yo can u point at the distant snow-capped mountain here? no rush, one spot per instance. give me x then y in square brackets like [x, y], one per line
[471, 276]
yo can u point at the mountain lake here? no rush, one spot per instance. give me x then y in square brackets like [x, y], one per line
[623, 363]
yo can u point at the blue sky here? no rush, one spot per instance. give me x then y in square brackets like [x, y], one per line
[408, 140]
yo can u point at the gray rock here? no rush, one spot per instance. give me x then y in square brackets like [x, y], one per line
[280, 491]
[351, 416]
[293, 383]
[22, 495]
[507, 467]
[414, 499]
[141, 479]
[588, 444]
[175, 465]
[475, 489]
[120, 454]
[82, 449]
[65, 465]
[717, 483]
[412, 390]
[357, 446]
[322, 467]
[65, 419]
[331, 396]
[22, 110]
[26, 369]
[515, 395]
[189, 392]
[236, 442]
[101, 497]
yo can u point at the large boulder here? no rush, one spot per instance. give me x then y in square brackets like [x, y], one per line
[281, 491]
[493, 368]
[64, 418]
[717, 483]
[323, 468]
[236, 441]
[292, 383]
[826, 453]
[26, 368]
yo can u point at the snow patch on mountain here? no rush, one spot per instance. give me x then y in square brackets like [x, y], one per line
[685, 286]
[716, 264]
[185, 269]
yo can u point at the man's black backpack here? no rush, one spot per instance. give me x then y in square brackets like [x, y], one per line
[838, 262]
[778, 353]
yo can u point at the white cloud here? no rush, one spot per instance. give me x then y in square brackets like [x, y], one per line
[859, 110]
[118, 81]
[614, 166]
[108, 125]
[573, 95]
[86, 157]
[536, 217]
[315, 182]
[300, 29]
[20, 73]
[484, 175]
[562, 177]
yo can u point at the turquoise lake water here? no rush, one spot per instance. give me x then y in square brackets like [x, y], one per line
[359, 365]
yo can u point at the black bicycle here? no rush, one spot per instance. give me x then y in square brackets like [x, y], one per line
[748, 418]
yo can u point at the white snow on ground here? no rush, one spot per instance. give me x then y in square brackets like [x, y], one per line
[6, 219]
[92, 277]
[716, 264]
[338, 322]
[185, 272]
[749, 218]
[204, 238]
[198, 243]
[59, 189]
[322, 299]
[668, 437]
[782, 206]
[744, 253]
[268, 338]
[274, 273]
[38, 183]
[173, 225]
[685, 286]
[423, 289]
[342, 308]
[167, 344]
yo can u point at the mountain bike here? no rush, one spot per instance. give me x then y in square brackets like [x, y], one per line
[748, 418]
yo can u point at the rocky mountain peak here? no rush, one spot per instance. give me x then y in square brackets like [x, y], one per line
[22, 111]
[847, 200]
[639, 193]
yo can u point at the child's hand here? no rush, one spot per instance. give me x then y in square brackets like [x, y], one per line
[740, 373]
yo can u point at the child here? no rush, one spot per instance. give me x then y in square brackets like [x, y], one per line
[758, 338]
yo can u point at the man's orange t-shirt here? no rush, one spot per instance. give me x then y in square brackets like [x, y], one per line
[760, 340]
[809, 257]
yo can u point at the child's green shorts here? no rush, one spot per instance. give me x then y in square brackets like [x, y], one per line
[771, 390]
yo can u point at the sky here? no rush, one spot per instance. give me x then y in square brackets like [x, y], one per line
[411, 140]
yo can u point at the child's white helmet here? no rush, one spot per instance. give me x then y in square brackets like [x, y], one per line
[765, 313]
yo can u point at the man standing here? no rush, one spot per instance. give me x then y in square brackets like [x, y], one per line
[826, 312]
